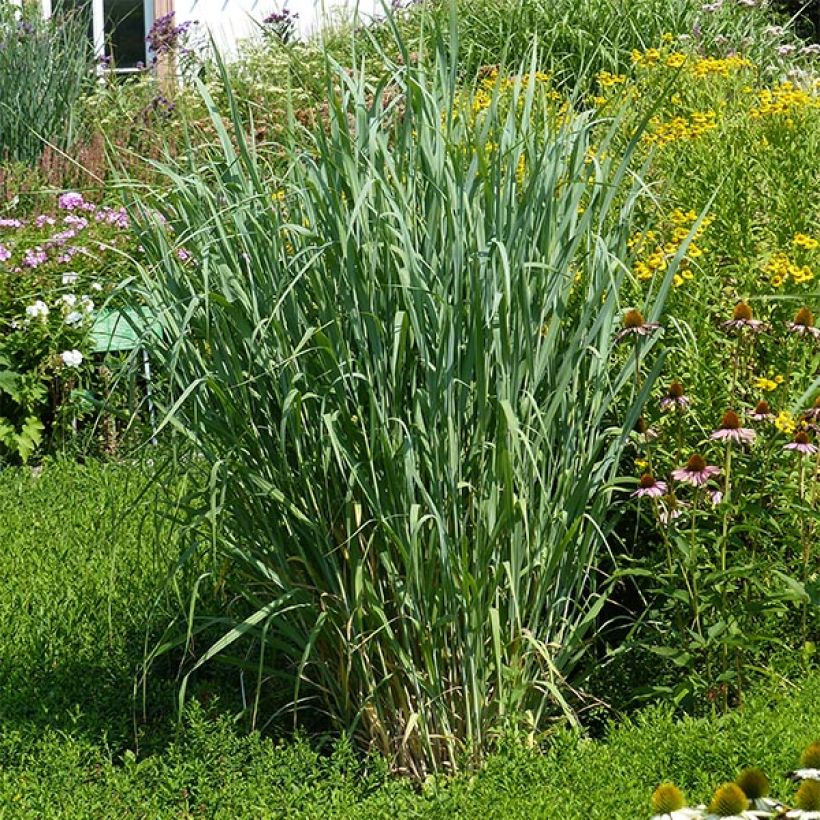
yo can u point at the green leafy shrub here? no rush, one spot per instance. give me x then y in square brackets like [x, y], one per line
[57, 269]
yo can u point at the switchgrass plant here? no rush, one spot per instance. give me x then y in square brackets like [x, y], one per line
[45, 65]
[397, 366]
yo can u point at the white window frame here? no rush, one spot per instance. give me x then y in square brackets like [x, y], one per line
[98, 30]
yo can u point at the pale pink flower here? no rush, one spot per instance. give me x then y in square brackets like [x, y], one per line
[696, 472]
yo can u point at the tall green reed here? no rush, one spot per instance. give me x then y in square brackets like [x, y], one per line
[45, 65]
[400, 376]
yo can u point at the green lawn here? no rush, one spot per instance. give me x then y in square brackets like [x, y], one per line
[82, 558]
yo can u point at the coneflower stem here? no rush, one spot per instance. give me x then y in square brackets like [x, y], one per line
[693, 563]
[727, 507]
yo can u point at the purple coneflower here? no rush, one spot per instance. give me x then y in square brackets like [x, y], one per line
[643, 429]
[762, 412]
[742, 317]
[675, 397]
[669, 509]
[634, 325]
[649, 486]
[803, 324]
[801, 444]
[696, 472]
[731, 430]
[813, 413]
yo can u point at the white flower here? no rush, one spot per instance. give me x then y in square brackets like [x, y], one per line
[787, 49]
[680, 814]
[74, 318]
[803, 815]
[96, 286]
[72, 358]
[70, 278]
[804, 774]
[68, 300]
[87, 303]
[39, 308]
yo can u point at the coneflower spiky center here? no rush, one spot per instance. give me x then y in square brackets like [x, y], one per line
[730, 421]
[804, 318]
[633, 318]
[667, 798]
[801, 438]
[763, 408]
[754, 783]
[808, 796]
[647, 481]
[742, 312]
[696, 464]
[675, 390]
[728, 801]
[811, 754]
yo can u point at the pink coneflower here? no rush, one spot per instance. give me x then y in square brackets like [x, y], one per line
[649, 486]
[742, 318]
[675, 397]
[696, 472]
[715, 496]
[762, 412]
[643, 429]
[669, 508]
[813, 413]
[801, 444]
[634, 325]
[803, 324]
[730, 430]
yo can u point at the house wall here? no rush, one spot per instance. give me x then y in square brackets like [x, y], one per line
[229, 20]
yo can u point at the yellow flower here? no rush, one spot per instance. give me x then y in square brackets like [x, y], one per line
[279, 196]
[785, 422]
[676, 60]
[804, 241]
[641, 463]
[762, 383]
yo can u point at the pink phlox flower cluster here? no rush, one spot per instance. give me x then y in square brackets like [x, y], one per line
[43, 219]
[11, 223]
[73, 201]
[5, 253]
[35, 257]
[79, 222]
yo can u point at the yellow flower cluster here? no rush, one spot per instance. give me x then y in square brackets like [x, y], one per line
[766, 384]
[723, 67]
[654, 254]
[785, 98]
[808, 243]
[785, 422]
[607, 80]
[680, 128]
[699, 68]
[491, 83]
[780, 269]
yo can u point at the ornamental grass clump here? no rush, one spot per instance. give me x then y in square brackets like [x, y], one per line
[401, 375]
[45, 67]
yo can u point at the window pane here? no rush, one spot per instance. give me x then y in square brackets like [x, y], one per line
[125, 31]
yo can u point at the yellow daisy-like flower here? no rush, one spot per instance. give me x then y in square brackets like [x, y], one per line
[802, 240]
[785, 422]
[762, 383]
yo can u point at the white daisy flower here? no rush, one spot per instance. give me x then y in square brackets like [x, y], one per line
[69, 300]
[70, 278]
[87, 303]
[74, 318]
